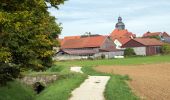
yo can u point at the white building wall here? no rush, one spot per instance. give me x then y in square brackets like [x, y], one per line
[117, 54]
[118, 44]
[110, 54]
[140, 51]
[69, 57]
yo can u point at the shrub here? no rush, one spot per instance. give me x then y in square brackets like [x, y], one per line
[165, 49]
[155, 37]
[8, 73]
[103, 56]
[129, 52]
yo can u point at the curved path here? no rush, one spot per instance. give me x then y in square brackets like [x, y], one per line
[91, 89]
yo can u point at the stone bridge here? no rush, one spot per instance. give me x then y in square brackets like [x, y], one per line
[43, 79]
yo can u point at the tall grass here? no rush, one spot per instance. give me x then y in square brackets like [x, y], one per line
[16, 91]
[118, 89]
[61, 89]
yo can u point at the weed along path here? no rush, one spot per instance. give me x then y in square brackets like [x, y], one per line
[91, 89]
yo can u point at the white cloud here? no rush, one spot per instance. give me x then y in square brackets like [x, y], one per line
[98, 16]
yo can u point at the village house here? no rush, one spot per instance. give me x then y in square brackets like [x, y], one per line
[85, 47]
[152, 34]
[111, 46]
[166, 39]
[144, 46]
[163, 36]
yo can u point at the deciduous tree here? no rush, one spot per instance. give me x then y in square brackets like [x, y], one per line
[27, 34]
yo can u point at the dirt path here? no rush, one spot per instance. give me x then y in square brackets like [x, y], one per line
[151, 82]
[91, 89]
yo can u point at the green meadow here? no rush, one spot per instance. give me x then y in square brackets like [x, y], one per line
[116, 88]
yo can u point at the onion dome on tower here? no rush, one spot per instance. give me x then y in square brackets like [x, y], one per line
[120, 25]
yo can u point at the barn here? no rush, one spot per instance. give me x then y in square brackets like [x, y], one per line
[85, 47]
[144, 46]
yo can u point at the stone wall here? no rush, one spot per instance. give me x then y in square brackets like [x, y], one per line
[43, 79]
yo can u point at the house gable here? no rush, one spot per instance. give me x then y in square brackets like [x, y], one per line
[108, 45]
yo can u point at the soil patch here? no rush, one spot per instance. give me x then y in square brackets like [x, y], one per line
[150, 81]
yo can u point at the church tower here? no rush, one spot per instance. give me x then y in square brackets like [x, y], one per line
[120, 25]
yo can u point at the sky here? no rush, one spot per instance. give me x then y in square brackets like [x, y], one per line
[100, 16]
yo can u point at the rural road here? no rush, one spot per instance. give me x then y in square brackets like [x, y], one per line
[91, 89]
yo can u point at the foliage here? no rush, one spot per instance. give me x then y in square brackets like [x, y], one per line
[129, 52]
[16, 91]
[165, 49]
[5, 55]
[155, 37]
[103, 56]
[27, 33]
[7, 73]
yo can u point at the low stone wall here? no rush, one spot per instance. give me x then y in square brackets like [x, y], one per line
[43, 79]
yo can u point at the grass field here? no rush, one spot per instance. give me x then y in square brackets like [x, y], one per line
[126, 61]
[117, 87]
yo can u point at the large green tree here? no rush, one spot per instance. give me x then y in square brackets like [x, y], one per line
[27, 35]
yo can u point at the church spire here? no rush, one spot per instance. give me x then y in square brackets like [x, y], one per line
[120, 25]
[119, 19]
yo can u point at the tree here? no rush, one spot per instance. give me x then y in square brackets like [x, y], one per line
[156, 37]
[129, 52]
[27, 34]
[165, 49]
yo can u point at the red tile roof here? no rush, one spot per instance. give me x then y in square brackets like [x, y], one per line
[72, 37]
[149, 41]
[85, 42]
[149, 34]
[61, 41]
[122, 34]
[123, 40]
